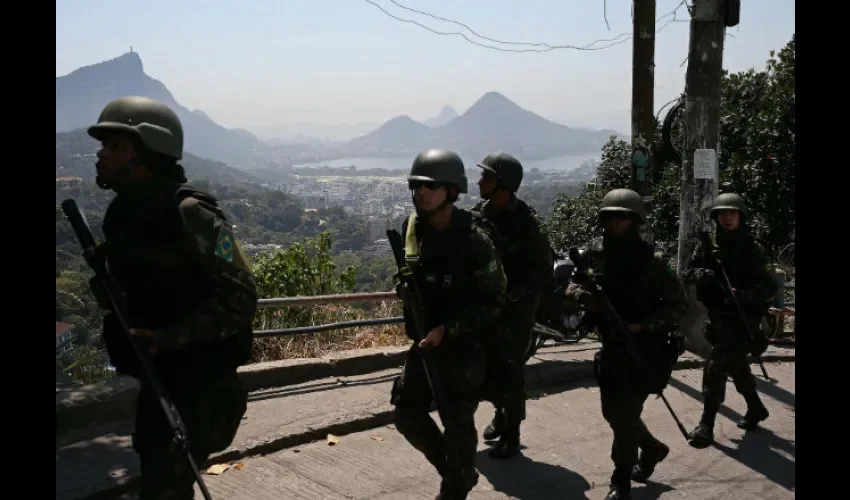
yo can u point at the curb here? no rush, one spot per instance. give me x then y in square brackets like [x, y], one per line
[82, 410]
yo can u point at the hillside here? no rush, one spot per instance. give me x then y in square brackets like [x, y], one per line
[75, 157]
[493, 123]
[82, 94]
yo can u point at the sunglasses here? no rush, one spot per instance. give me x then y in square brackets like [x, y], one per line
[431, 185]
[616, 216]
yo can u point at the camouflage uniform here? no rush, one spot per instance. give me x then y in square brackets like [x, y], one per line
[463, 285]
[643, 290]
[173, 256]
[527, 258]
[750, 274]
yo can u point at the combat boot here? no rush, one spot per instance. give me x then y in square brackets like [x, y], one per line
[754, 415]
[456, 486]
[648, 460]
[507, 447]
[618, 493]
[701, 437]
[496, 427]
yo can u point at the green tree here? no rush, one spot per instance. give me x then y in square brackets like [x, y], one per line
[758, 154]
[574, 220]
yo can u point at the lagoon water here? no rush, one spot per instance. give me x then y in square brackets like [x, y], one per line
[563, 163]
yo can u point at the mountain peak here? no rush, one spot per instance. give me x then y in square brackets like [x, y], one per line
[447, 114]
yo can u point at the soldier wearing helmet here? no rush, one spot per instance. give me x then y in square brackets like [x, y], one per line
[463, 284]
[747, 266]
[527, 258]
[188, 291]
[647, 295]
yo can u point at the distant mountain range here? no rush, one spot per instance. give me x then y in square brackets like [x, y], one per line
[82, 94]
[493, 123]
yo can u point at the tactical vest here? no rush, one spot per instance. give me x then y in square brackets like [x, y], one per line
[442, 265]
[743, 273]
[627, 281]
[148, 254]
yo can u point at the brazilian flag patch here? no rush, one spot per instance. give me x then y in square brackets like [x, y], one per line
[224, 245]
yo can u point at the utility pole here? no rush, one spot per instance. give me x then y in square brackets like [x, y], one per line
[643, 94]
[700, 167]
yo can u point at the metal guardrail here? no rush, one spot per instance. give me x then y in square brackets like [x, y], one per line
[281, 302]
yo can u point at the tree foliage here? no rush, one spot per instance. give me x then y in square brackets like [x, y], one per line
[574, 220]
[758, 154]
[757, 160]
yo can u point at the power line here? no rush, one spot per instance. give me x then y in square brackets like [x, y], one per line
[545, 47]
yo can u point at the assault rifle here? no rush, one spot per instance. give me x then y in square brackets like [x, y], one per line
[84, 235]
[625, 336]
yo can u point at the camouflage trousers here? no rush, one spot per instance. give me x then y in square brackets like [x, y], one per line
[622, 405]
[451, 452]
[510, 405]
[211, 414]
[722, 362]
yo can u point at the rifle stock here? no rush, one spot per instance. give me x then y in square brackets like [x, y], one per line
[83, 232]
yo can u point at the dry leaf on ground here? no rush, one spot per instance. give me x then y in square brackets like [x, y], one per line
[217, 469]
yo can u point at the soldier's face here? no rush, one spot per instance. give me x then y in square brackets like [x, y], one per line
[616, 224]
[428, 195]
[729, 219]
[486, 184]
[117, 162]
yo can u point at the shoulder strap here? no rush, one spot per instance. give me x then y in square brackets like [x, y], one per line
[411, 245]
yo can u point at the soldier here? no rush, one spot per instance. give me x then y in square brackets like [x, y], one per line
[463, 288]
[749, 271]
[188, 292]
[648, 297]
[527, 259]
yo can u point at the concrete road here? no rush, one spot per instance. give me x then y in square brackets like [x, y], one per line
[567, 455]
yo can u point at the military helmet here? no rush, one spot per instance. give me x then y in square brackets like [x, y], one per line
[729, 201]
[623, 200]
[154, 123]
[439, 165]
[506, 168]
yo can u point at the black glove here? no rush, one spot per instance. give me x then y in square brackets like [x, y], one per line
[401, 291]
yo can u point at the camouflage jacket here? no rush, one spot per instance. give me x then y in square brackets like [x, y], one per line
[174, 256]
[748, 268]
[459, 271]
[639, 283]
[525, 254]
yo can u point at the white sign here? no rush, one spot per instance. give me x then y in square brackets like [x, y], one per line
[705, 161]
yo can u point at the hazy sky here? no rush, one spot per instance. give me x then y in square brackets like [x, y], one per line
[274, 62]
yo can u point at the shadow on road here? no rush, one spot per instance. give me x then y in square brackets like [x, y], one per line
[319, 387]
[91, 466]
[523, 478]
[759, 449]
[650, 491]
